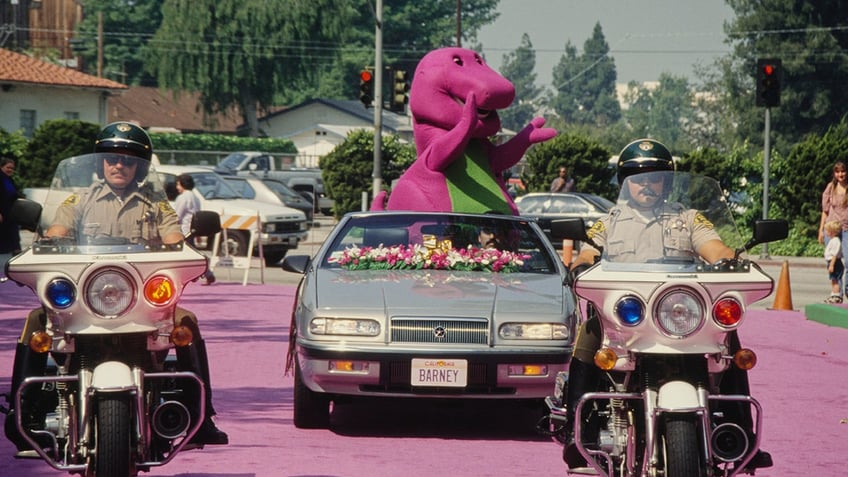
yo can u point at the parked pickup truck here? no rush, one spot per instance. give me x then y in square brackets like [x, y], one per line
[306, 181]
[282, 228]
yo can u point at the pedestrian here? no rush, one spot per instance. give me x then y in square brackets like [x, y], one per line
[833, 255]
[834, 206]
[563, 182]
[10, 232]
[187, 204]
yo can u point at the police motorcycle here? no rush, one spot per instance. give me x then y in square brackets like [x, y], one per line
[668, 339]
[110, 401]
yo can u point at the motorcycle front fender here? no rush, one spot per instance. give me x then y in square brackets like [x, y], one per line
[678, 396]
[112, 376]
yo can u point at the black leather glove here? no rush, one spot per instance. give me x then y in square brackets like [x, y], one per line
[575, 271]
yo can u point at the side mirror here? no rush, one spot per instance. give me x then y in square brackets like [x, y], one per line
[26, 213]
[297, 263]
[205, 223]
[767, 230]
[572, 229]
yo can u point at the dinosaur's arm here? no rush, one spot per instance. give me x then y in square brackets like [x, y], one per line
[442, 147]
[509, 153]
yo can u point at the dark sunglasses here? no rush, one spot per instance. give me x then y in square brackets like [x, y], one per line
[645, 180]
[125, 160]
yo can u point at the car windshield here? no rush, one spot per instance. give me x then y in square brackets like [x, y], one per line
[212, 186]
[231, 162]
[661, 218]
[392, 241]
[80, 201]
[284, 191]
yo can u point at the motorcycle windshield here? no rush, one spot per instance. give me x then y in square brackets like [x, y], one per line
[105, 203]
[661, 220]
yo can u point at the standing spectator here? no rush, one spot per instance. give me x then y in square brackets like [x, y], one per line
[10, 232]
[833, 255]
[835, 208]
[563, 183]
[187, 204]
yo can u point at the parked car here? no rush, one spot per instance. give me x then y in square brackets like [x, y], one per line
[271, 191]
[548, 206]
[282, 228]
[409, 304]
[306, 181]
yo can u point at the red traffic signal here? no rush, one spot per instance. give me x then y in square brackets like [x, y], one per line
[366, 88]
[769, 71]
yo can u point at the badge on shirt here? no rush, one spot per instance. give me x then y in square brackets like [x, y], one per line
[703, 221]
[165, 207]
[73, 199]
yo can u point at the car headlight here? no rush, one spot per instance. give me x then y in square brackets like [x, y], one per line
[533, 331]
[269, 227]
[110, 293]
[680, 313]
[344, 326]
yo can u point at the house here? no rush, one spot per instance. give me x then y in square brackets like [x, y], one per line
[33, 91]
[319, 125]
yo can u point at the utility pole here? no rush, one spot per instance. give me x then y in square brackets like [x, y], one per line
[377, 173]
[459, 23]
[100, 44]
[764, 254]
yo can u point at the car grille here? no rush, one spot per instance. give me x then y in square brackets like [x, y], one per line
[286, 227]
[417, 330]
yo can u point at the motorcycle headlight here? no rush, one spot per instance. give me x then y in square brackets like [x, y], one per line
[110, 293]
[533, 331]
[679, 313]
[630, 310]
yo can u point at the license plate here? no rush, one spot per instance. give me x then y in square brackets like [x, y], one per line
[439, 372]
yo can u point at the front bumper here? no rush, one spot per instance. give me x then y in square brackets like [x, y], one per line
[491, 375]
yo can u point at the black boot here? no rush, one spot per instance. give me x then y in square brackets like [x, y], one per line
[582, 378]
[193, 358]
[27, 363]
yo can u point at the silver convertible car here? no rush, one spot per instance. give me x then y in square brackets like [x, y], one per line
[415, 304]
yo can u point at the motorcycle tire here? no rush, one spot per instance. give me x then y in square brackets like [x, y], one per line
[681, 447]
[113, 446]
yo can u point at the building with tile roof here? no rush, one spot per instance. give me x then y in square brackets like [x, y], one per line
[33, 91]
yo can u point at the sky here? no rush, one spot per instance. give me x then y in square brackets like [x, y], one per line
[646, 37]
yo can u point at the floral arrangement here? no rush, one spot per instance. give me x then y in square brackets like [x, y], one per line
[418, 257]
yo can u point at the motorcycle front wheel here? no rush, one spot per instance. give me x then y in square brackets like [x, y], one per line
[682, 452]
[114, 447]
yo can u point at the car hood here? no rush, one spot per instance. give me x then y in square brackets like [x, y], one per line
[268, 212]
[442, 293]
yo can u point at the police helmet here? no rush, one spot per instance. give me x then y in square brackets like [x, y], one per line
[643, 155]
[129, 139]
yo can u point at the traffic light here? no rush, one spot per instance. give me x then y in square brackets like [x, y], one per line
[769, 71]
[366, 87]
[400, 88]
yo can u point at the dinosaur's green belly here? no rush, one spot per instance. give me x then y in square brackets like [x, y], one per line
[471, 184]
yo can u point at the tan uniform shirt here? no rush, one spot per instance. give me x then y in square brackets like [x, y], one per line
[98, 212]
[632, 235]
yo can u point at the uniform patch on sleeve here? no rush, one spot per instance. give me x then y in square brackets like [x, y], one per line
[72, 199]
[702, 221]
[596, 229]
[165, 207]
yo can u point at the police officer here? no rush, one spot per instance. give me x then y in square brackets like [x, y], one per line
[645, 227]
[117, 208]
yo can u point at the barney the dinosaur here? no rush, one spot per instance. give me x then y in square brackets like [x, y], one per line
[453, 101]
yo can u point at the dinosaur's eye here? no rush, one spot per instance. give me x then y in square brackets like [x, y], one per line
[478, 59]
[457, 60]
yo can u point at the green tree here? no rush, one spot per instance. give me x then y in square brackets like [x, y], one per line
[52, 141]
[518, 67]
[12, 144]
[587, 161]
[347, 169]
[585, 85]
[810, 38]
[241, 52]
[127, 27]
[662, 111]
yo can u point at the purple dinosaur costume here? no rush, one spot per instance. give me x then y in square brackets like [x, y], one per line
[454, 100]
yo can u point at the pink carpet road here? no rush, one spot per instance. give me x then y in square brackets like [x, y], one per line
[800, 381]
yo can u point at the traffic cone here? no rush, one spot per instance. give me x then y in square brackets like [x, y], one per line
[567, 251]
[783, 295]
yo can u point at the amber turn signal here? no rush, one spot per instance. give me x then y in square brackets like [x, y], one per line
[745, 359]
[181, 336]
[40, 342]
[605, 359]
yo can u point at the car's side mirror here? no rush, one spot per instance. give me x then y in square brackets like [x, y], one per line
[766, 230]
[569, 229]
[297, 263]
[26, 213]
[205, 223]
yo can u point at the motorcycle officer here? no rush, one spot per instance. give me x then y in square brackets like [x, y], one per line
[111, 208]
[638, 237]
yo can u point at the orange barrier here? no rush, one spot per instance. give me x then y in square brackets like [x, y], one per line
[783, 295]
[567, 251]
